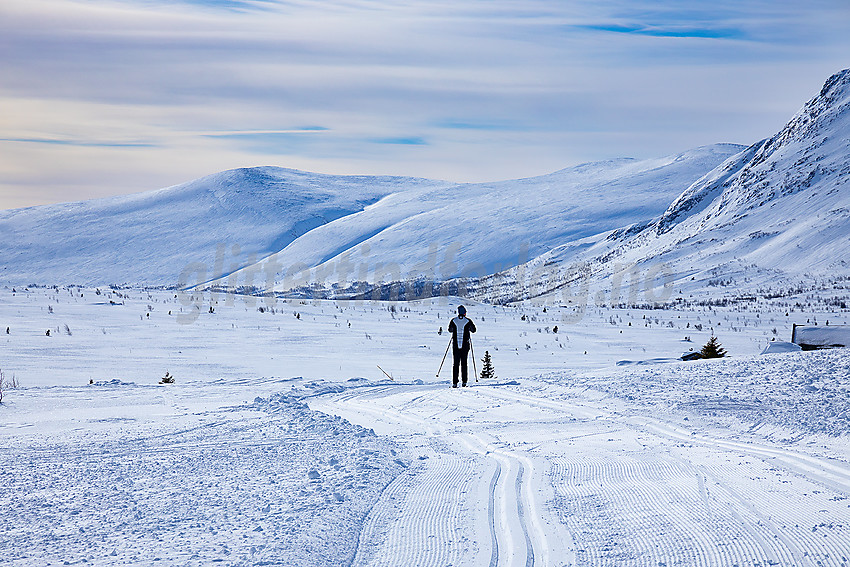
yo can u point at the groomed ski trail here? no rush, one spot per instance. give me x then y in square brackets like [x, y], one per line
[517, 476]
[497, 494]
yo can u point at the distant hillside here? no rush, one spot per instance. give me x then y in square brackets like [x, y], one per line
[775, 216]
[714, 220]
[273, 226]
[223, 222]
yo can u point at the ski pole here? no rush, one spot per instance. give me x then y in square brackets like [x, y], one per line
[472, 351]
[385, 374]
[444, 357]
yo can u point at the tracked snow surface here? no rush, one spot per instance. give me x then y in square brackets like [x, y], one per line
[282, 443]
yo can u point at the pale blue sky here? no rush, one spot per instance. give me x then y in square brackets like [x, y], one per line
[102, 97]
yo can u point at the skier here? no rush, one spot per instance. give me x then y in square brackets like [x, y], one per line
[460, 328]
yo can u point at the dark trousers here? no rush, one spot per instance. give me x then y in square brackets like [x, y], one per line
[459, 356]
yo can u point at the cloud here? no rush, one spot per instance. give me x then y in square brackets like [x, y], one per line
[402, 141]
[271, 142]
[483, 125]
[231, 4]
[80, 143]
[468, 90]
[667, 31]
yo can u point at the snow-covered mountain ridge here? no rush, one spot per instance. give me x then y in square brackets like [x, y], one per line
[775, 216]
[812, 148]
[234, 223]
[149, 238]
[772, 214]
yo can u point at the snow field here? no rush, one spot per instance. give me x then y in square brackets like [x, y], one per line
[693, 504]
[141, 334]
[631, 489]
[420, 520]
[757, 504]
[432, 513]
[614, 457]
[784, 395]
[268, 482]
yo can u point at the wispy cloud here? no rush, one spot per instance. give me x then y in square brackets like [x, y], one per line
[401, 141]
[231, 4]
[483, 125]
[80, 143]
[668, 31]
[280, 142]
[124, 94]
[227, 5]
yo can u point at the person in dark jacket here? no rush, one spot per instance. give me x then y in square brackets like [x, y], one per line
[460, 328]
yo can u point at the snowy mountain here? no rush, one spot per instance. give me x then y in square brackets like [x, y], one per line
[237, 223]
[774, 216]
[223, 222]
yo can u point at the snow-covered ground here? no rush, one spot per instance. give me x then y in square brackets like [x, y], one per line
[282, 443]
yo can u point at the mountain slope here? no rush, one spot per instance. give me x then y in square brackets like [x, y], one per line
[230, 224]
[479, 229]
[772, 216]
[223, 222]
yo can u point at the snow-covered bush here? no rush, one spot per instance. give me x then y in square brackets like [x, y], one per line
[6, 384]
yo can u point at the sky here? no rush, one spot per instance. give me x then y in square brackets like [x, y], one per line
[106, 97]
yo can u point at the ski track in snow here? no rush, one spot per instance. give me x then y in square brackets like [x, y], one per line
[630, 489]
[510, 504]
[427, 524]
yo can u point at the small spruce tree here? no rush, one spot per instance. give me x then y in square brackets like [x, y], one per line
[712, 349]
[487, 371]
